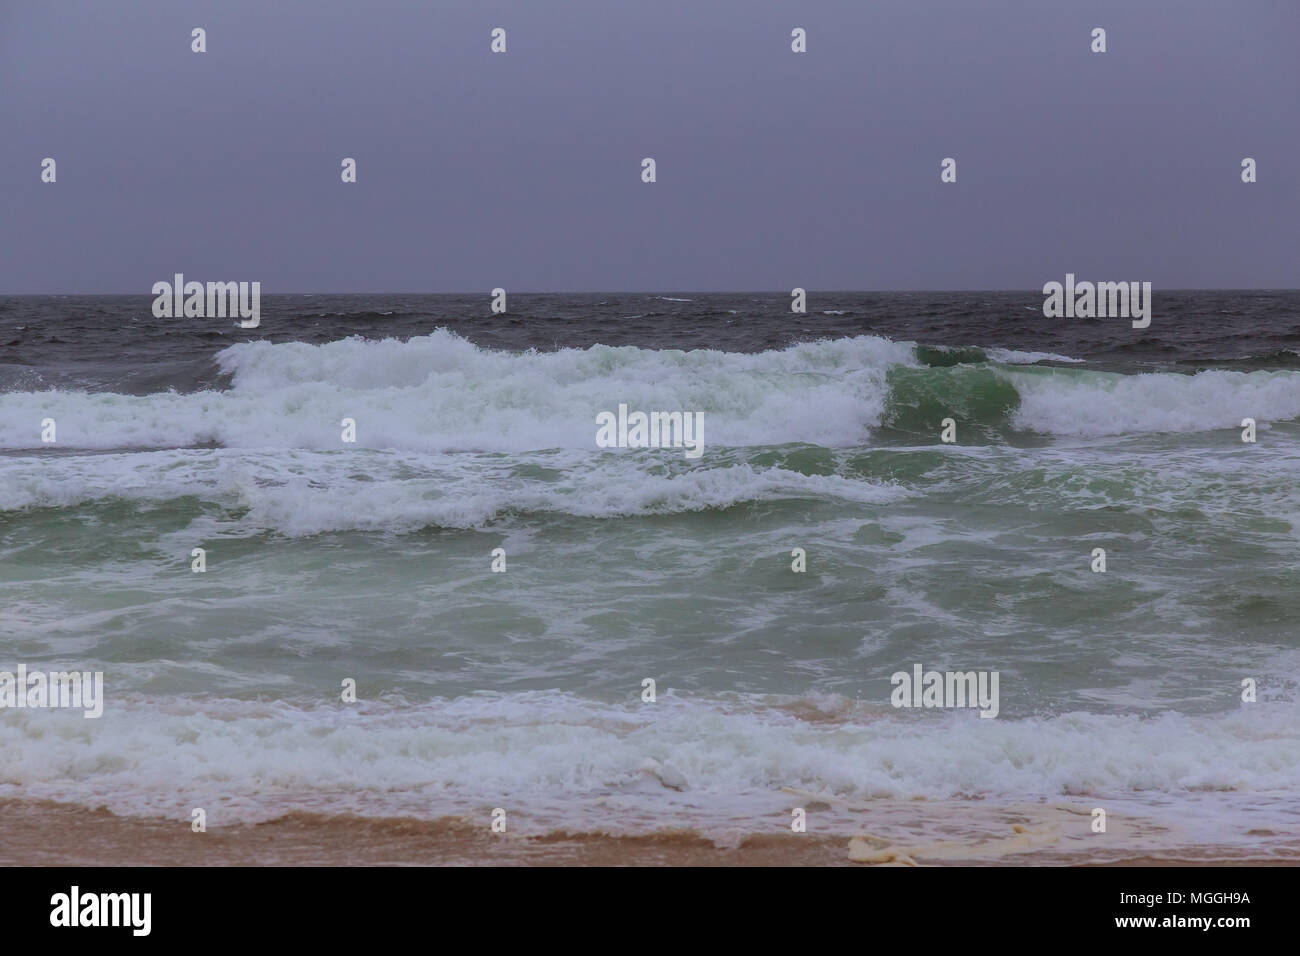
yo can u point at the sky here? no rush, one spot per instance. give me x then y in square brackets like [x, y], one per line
[522, 170]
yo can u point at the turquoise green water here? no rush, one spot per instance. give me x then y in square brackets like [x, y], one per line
[374, 564]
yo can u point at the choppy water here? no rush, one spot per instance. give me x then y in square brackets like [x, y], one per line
[522, 689]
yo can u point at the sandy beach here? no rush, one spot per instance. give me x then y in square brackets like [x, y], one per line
[51, 834]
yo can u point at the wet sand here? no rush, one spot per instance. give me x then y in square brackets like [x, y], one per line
[51, 834]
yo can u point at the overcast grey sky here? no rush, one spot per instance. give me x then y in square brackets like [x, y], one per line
[522, 170]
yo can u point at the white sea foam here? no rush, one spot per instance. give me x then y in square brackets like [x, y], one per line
[440, 393]
[299, 492]
[1017, 357]
[1068, 402]
[249, 760]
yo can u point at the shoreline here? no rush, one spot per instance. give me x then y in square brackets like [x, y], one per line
[44, 833]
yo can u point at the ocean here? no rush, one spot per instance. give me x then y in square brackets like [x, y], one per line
[523, 690]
